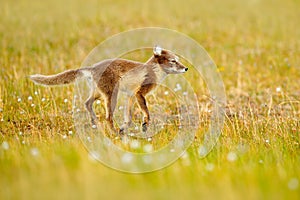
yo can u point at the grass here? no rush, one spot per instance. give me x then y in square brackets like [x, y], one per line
[256, 47]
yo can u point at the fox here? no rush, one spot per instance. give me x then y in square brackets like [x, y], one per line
[111, 76]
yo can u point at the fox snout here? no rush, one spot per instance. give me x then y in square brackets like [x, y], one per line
[174, 68]
[183, 69]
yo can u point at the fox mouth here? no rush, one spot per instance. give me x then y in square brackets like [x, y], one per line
[177, 71]
[181, 71]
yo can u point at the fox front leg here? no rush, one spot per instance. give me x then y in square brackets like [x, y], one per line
[143, 105]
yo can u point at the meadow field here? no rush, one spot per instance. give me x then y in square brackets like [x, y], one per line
[256, 47]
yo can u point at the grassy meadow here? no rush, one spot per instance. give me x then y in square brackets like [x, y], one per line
[256, 46]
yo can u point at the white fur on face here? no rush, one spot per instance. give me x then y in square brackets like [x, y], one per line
[176, 58]
[181, 70]
[173, 69]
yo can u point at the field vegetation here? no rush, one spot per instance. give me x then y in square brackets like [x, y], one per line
[256, 47]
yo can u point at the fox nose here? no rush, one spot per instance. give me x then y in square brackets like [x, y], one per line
[186, 69]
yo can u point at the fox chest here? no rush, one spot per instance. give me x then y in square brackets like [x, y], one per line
[131, 81]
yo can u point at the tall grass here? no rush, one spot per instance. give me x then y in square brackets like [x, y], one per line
[256, 47]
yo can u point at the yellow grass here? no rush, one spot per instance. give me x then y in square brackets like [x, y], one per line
[256, 46]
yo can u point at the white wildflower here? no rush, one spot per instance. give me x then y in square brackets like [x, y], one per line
[231, 156]
[127, 158]
[293, 184]
[202, 151]
[267, 141]
[278, 89]
[210, 167]
[5, 145]
[34, 151]
[89, 138]
[135, 144]
[148, 148]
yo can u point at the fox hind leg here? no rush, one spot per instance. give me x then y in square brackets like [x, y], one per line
[110, 105]
[89, 106]
[127, 115]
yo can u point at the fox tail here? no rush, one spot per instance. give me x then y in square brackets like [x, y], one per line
[62, 78]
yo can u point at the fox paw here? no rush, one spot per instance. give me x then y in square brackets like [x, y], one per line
[144, 127]
[121, 131]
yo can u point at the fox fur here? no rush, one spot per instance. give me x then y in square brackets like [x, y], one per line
[113, 75]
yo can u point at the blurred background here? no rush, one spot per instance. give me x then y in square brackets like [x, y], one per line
[256, 47]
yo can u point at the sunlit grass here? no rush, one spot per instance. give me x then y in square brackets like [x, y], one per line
[255, 45]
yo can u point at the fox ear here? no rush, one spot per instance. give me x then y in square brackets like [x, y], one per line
[157, 51]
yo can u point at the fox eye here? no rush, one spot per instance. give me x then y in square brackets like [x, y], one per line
[173, 61]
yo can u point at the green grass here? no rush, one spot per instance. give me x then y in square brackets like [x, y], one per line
[256, 46]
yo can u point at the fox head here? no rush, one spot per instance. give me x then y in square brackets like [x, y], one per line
[168, 61]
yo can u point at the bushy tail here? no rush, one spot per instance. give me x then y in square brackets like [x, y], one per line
[65, 77]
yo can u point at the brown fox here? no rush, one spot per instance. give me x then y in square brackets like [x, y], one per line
[112, 75]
